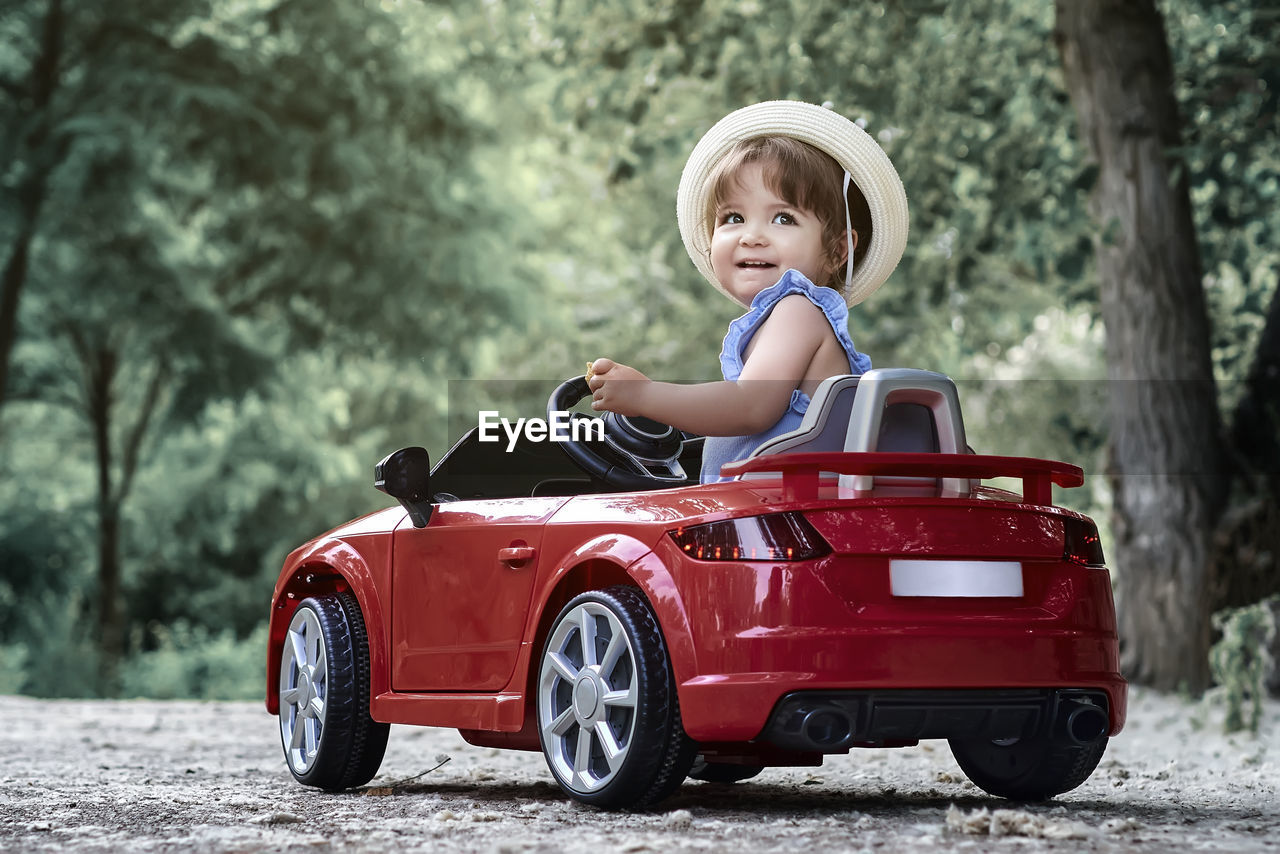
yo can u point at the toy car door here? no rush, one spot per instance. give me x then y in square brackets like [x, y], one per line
[460, 593]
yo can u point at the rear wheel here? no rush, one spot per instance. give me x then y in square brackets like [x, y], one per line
[722, 772]
[1027, 769]
[328, 737]
[608, 714]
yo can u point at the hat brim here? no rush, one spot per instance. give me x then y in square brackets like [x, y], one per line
[850, 146]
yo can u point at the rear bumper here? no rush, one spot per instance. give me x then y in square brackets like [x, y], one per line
[735, 707]
[834, 721]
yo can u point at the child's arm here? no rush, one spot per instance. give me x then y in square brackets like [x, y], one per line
[781, 351]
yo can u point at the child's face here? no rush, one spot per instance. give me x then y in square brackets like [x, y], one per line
[759, 236]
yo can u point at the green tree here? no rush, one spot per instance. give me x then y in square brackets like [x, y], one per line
[220, 188]
[1170, 456]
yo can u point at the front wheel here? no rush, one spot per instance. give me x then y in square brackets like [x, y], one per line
[608, 714]
[1027, 769]
[328, 737]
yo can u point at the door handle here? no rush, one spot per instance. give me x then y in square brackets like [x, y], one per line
[516, 555]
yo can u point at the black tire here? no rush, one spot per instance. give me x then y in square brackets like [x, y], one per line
[1029, 769]
[628, 751]
[722, 772]
[329, 739]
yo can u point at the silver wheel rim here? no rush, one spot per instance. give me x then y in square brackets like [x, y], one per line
[587, 695]
[304, 690]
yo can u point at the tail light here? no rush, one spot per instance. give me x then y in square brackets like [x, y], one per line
[1081, 544]
[777, 537]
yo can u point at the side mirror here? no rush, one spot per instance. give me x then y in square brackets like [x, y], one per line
[405, 475]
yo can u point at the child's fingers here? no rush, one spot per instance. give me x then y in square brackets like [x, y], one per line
[597, 367]
[595, 372]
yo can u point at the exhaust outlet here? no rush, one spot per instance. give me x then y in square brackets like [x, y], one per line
[1081, 723]
[826, 727]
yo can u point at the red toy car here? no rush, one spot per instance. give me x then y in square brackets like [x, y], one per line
[853, 586]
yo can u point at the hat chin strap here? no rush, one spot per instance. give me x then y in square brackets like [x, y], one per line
[848, 235]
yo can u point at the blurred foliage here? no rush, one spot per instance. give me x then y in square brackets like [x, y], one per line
[1228, 65]
[13, 668]
[48, 632]
[315, 228]
[1241, 660]
[263, 245]
[198, 662]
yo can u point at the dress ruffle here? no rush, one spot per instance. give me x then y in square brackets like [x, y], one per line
[719, 450]
[792, 282]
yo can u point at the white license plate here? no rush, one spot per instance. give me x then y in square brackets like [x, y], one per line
[955, 577]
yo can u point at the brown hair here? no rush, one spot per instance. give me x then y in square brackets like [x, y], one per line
[802, 176]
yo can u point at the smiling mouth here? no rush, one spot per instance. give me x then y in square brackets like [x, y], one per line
[754, 265]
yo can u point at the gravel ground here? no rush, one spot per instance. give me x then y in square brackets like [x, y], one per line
[167, 776]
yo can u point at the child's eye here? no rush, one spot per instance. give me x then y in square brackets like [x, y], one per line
[731, 218]
[784, 218]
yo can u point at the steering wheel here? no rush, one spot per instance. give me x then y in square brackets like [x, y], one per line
[637, 453]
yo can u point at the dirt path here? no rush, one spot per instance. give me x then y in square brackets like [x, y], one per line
[168, 776]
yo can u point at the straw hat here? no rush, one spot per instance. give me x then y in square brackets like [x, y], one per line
[827, 131]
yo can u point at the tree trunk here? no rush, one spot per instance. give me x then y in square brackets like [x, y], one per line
[1247, 558]
[12, 279]
[99, 365]
[45, 72]
[1166, 448]
[1255, 433]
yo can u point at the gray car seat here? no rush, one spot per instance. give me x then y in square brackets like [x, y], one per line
[886, 409]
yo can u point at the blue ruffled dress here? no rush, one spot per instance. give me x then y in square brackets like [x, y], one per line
[719, 450]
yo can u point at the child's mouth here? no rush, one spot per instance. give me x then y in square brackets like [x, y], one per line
[754, 265]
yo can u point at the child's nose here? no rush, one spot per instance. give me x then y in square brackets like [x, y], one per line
[751, 237]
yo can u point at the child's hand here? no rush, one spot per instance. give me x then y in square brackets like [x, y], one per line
[616, 388]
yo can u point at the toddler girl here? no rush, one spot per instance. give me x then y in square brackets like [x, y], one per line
[775, 206]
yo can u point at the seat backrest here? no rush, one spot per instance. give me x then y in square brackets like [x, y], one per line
[886, 409]
[901, 409]
[908, 427]
[825, 424]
